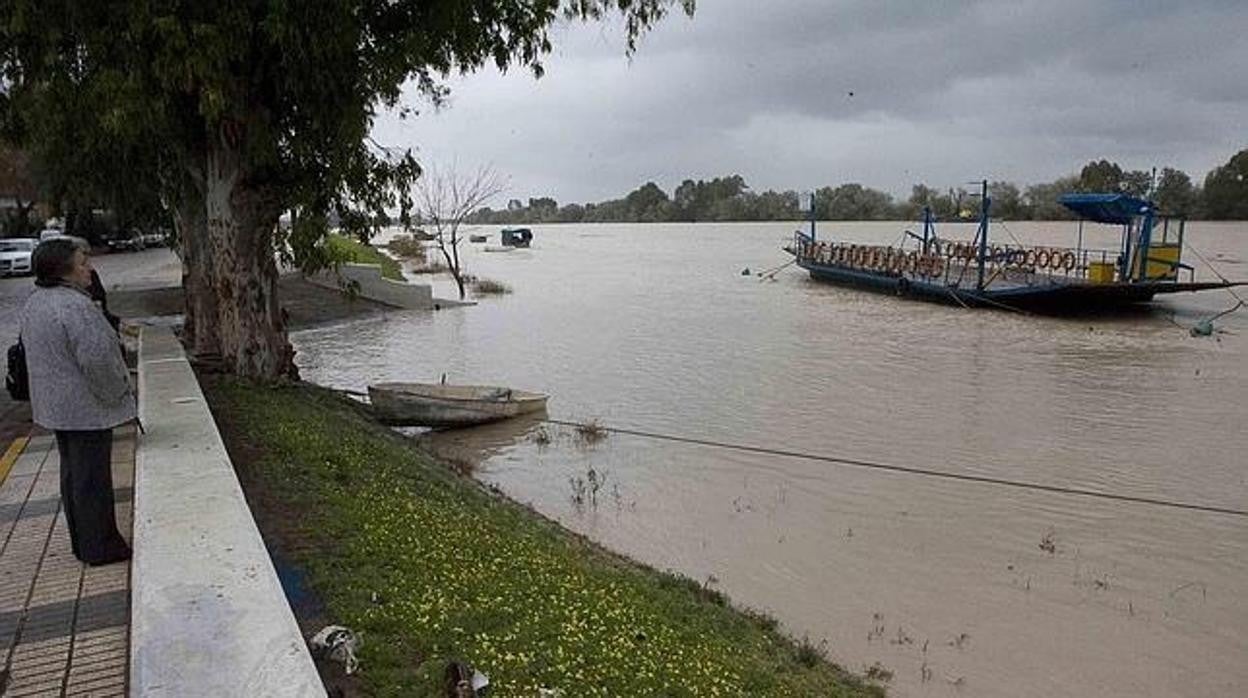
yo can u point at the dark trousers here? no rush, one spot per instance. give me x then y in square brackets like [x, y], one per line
[87, 495]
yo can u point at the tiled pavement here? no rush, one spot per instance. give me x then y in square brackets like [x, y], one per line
[64, 626]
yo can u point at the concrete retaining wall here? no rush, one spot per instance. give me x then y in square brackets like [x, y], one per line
[374, 287]
[208, 614]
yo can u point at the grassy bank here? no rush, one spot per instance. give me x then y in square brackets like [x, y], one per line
[429, 566]
[344, 249]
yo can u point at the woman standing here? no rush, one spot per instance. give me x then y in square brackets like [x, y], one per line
[79, 388]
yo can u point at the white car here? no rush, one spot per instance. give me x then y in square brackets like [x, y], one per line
[15, 254]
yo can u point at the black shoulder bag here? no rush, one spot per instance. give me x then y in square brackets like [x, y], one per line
[17, 381]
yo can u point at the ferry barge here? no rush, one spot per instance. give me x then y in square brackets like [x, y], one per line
[979, 273]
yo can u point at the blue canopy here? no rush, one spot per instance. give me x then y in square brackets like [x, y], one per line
[1105, 208]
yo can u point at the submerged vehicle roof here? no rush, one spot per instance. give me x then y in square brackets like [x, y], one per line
[1119, 209]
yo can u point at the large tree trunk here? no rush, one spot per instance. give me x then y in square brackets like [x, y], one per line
[241, 218]
[199, 329]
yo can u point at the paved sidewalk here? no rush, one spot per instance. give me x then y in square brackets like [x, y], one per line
[64, 626]
[14, 418]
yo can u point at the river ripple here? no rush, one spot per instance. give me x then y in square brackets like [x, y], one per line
[953, 586]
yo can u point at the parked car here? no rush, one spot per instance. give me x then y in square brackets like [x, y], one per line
[125, 240]
[50, 233]
[135, 239]
[155, 238]
[15, 255]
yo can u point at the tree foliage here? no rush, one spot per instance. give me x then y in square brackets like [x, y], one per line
[1042, 199]
[238, 110]
[1175, 193]
[729, 198]
[1226, 189]
[17, 182]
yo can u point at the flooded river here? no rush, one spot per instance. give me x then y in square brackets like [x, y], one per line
[957, 588]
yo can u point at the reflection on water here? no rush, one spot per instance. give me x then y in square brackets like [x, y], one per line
[468, 449]
[958, 588]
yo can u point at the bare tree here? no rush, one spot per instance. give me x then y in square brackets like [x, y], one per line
[444, 199]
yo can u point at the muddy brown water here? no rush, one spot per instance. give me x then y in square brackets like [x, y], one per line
[957, 588]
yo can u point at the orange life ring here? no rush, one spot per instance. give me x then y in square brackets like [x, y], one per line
[1068, 260]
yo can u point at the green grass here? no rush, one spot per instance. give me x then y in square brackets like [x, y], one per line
[429, 566]
[344, 249]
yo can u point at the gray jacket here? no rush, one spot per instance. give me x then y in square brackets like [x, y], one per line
[78, 377]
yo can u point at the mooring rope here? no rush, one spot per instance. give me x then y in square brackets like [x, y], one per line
[1205, 327]
[1216, 273]
[888, 467]
[771, 273]
[909, 470]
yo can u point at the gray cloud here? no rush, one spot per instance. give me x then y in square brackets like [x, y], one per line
[942, 92]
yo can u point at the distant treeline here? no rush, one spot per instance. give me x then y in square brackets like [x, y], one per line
[1223, 196]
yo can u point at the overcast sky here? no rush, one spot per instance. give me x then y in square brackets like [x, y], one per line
[794, 94]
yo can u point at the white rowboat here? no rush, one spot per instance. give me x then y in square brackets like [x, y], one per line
[440, 405]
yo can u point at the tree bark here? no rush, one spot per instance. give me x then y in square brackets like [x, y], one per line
[226, 224]
[199, 329]
[239, 271]
[459, 274]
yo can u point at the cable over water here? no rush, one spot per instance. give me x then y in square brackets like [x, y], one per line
[911, 470]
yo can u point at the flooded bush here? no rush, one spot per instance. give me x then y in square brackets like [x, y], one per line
[490, 287]
[577, 483]
[585, 489]
[435, 267]
[408, 247]
[591, 432]
[876, 672]
[809, 654]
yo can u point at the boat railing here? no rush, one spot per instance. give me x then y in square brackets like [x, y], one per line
[955, 262]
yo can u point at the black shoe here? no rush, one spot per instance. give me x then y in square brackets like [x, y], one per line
[121, 555]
